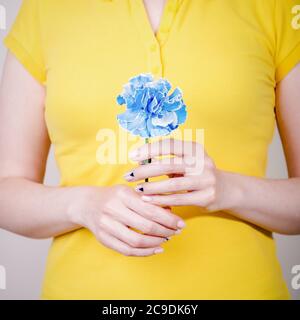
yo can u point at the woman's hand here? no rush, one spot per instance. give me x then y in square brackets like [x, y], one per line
[190, 170]
[109, 212]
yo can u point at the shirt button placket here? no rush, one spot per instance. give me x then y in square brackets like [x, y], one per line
[154, 60]
[155, 63]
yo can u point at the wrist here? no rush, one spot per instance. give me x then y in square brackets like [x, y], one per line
[78, 199]
[232, 190]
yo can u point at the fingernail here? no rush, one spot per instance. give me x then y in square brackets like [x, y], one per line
[181, 224]
[146, 198]
[177, 231]
[158, 250]
[133, 154]
[139, 188]
[129, 176]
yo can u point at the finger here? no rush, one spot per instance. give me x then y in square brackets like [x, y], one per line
[155, 213]
[155, 169]
[125, 234]
[170, 185]
[167, 147]
[111, 242]
[147, 226]
[166, 160]
[200, 198]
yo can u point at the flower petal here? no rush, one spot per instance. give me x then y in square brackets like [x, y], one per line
[159, 131]
[153, 105]
[172, 106]
[150, 111]
[164, 120]
[176, 95]
[120, 99]
[141, 79]
[181, 114]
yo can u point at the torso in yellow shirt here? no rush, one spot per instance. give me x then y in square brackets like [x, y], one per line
[227, 57]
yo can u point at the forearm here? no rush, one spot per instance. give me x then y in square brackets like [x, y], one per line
[270, 203]
[34, 210]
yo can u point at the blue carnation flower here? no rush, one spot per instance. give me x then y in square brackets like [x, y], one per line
[151, 111]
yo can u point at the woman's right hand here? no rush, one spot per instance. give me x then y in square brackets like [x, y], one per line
[109, 212]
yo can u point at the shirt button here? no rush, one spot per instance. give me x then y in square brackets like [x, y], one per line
[164, 30]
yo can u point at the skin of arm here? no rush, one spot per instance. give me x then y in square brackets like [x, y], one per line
[31, 209]
[27, 208]
[273, 204]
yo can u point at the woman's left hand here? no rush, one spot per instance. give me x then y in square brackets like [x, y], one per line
[193, 176]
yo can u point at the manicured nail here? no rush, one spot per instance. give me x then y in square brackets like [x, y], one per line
[158, 250]
[133, 154]
[129, 176]
[139, 189]
[146, 198]
[181, 224]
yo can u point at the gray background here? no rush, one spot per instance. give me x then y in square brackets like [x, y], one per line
[24, 259]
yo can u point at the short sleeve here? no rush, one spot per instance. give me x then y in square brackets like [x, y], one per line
[287, 29]
[24, 39]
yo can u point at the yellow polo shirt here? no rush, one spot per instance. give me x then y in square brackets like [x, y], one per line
[227, 57]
